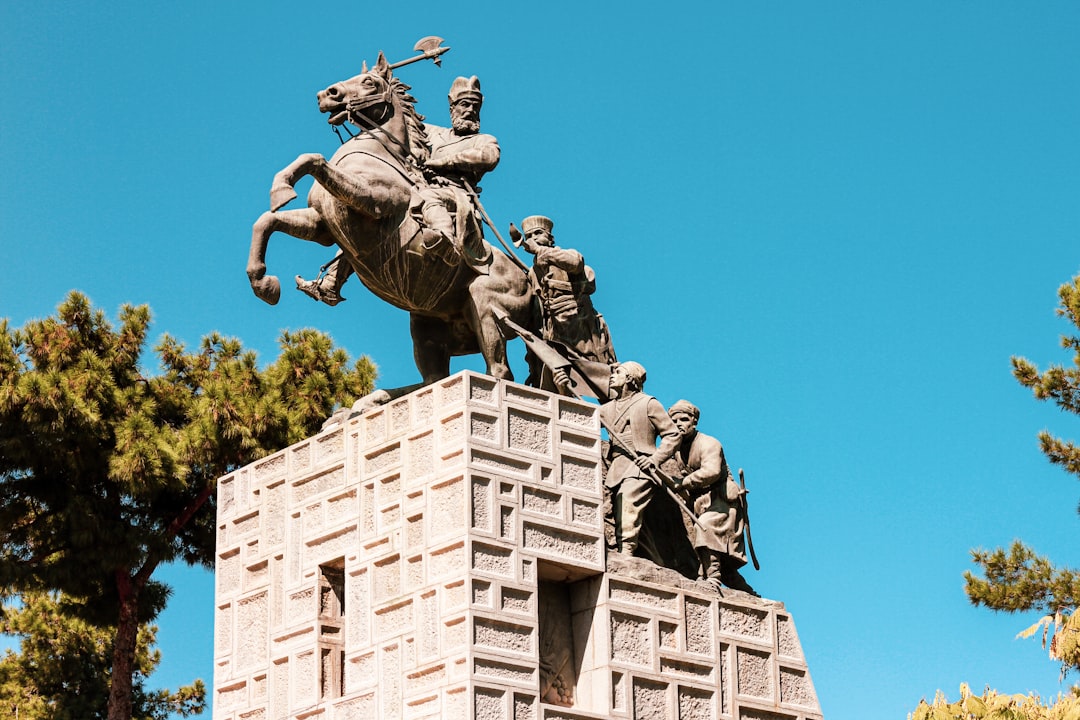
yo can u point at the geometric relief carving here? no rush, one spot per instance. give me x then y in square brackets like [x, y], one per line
[748, 622]
[504, 672]
[501, 463]
[577, 415]
[253, 619]
[228, 572]
[691, 671]
[563, 543]
[421, 455]
[696, 704]
[539, 501]
[484, 427]
[630, 639]
[529, 432]
[795, 689]
[446, 560]
[651, 700]
[383, 459]
[643, 596]
[503, 636]
[581, 474]
[493, 559]
[447, 507]
[490, 704]
[699, 627]
[481, 503]
[532, 397]
[755, 673]
[787, 638]
[482, 389]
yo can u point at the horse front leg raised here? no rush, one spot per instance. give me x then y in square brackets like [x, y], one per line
[305, 224]
[282, 192]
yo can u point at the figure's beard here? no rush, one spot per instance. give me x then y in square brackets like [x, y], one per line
[465, 126]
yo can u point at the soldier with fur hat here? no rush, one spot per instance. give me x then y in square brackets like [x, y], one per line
[707, 480]
[564, 285]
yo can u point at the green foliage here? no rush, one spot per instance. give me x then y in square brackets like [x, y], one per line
[992, 705]
[1058, 383]
[63, 667]
[1020, 580]
[107, 471]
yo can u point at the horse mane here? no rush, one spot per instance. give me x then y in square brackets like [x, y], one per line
[414, 122]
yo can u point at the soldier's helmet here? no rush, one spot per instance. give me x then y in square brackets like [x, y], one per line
[466, 88]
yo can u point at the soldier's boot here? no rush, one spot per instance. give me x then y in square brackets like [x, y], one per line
[435, 239]
[432, 244]
[320, 290]
[731, 577]
[710, 569]
[626, 547]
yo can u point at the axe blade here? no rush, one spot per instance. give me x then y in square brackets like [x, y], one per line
[428, 44]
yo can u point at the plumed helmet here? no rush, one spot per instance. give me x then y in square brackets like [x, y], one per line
[536, 221]
[685, 407]
[466, 87]
[635, 371]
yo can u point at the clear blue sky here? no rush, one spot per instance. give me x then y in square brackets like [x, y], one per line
[828, 224]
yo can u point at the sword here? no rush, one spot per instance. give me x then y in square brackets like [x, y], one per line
[746, 520]
[487, 221]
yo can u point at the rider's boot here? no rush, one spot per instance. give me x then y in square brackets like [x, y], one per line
[319, 290]
[432, 243]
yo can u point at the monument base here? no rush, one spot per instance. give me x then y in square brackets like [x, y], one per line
[444, 557]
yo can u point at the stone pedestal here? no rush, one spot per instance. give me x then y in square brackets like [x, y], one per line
[444, 557]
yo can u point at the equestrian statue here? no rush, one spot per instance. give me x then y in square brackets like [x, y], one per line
[374, 199]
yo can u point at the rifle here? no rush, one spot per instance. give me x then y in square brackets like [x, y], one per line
[554, 360]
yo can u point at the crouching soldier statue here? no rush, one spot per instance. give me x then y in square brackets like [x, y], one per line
[716, 498]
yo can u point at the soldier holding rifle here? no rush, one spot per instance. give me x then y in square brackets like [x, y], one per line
[636, 421]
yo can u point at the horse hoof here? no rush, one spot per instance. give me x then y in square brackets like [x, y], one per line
[280, 197]
[268, 289]
[371, 401]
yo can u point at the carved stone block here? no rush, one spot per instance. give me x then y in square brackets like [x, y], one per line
[444, 556]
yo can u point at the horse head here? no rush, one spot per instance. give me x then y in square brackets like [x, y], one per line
[375, 98]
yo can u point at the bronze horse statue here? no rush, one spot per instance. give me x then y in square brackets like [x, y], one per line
[361, 202]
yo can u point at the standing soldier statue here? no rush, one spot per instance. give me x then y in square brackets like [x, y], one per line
[717, 501]
[564, 285]
[636, 421]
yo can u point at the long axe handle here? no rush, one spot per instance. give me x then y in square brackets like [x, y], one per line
[431, 47]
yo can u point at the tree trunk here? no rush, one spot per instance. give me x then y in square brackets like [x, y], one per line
[123, 663]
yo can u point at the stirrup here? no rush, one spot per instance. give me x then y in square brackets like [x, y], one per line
[314, 290]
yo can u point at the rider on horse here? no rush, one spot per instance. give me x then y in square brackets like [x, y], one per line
[460, 156]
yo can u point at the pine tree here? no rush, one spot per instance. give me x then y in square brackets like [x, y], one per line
[107, 472]
[1020, 580]
[62, 668]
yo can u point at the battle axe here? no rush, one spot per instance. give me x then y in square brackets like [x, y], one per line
[429, 47]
